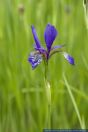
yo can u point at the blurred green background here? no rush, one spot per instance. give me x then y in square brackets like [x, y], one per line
[23, 103]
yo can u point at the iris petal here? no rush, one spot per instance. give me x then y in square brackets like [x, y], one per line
[41, 50]
[57, 47]
[69, 58]
[35, 37]
[50, 35]
[35, 59]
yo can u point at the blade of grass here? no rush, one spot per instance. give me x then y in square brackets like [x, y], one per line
[74, 103]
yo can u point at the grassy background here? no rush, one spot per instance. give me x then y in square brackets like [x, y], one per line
[23, 103]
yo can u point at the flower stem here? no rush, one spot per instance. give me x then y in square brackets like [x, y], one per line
[48, 95]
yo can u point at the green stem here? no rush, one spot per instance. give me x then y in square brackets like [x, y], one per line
[48, 95]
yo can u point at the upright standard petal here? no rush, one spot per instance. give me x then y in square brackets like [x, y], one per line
[35, 37]
[35, 59]
[68, 58]
[50, 35]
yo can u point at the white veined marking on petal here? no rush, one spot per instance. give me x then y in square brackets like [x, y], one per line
[66, 55]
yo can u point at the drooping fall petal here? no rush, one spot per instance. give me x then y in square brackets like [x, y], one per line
[35, 59]
[69, 58]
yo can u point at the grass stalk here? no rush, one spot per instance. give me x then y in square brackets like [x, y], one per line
[74, 103]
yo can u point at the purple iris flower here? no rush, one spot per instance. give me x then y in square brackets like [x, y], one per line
[41, 53]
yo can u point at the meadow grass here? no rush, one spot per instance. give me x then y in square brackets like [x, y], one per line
[23, 102]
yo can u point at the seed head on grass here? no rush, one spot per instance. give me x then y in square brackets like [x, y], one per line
[21, 8]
